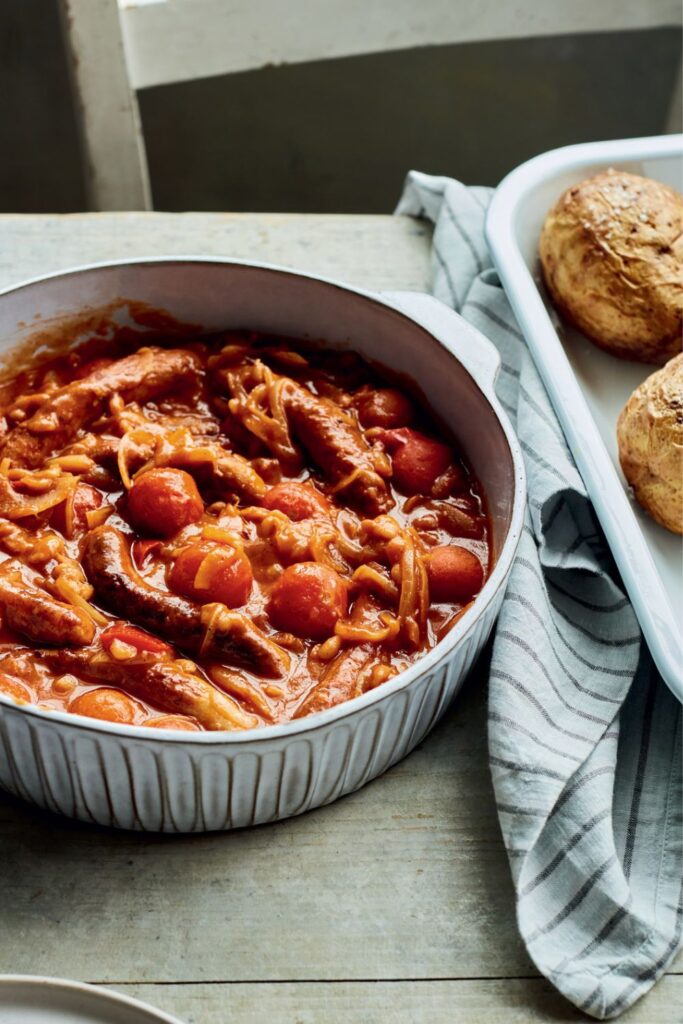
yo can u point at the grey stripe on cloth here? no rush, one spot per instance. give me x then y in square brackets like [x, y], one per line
[593, 827]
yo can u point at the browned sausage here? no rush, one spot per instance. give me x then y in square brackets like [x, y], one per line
[147, 374]
[107, 564]
[211, 630]
[336, 444]
[233, 636]
[227, 472]
[340, 681]
[167, 685]
[35, 614]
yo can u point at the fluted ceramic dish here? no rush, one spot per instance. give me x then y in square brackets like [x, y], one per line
[140, 778]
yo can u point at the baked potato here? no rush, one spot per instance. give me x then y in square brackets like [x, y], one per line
[612, 256]
[650, 438]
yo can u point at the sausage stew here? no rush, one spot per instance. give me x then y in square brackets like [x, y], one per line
[223, 535]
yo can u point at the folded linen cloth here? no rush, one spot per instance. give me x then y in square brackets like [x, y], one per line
[585, 742]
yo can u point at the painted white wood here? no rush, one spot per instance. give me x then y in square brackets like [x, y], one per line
[179, 40]
[119, 46]
[115, 165]
[674, 119]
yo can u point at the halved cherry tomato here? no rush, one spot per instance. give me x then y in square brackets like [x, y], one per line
[163, 501]
[108, 704]
[180, 722]
[143, 642]
[454, 573]
[212, 572]
[298, 501]
[417, 461]
[308, 600]
[385, 407]
[71, 517]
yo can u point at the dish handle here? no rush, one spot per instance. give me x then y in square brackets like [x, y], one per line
[472, 348]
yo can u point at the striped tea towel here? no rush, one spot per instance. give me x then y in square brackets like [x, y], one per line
[584, 737]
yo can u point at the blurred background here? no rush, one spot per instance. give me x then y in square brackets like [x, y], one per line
[313, 105]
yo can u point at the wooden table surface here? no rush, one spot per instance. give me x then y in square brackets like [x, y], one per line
[392, 905]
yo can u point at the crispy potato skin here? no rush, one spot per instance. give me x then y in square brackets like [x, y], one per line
[650, 437]
[612, 256]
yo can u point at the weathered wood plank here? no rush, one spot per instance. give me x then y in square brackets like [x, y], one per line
[531, 1001]
[113, 148]
[370, 251]
[407, 878]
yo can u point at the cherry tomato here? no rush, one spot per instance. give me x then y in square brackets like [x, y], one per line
[71, 516]
[163, 501]
[385, 407]
[212, 572]
[454, 573]
[298, 501]
[417, 461]
[143, 642]
[308, 600]
[180, 722]
[108, 704]
[92, 366]
[13, 688]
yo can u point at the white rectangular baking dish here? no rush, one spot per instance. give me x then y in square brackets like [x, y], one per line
[589, 387]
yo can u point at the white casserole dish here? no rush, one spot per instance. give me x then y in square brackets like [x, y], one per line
[138, 778]
[589, 387]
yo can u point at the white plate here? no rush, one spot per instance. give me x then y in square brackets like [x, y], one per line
[587, 386]
[25, 999]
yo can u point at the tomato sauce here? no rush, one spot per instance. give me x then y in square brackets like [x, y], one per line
[224, 533]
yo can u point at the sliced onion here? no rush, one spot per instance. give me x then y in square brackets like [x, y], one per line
[240, 688]
[14, 505]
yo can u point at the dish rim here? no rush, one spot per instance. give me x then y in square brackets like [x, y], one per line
[440, 652]
[86, 989]
[595, 464]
